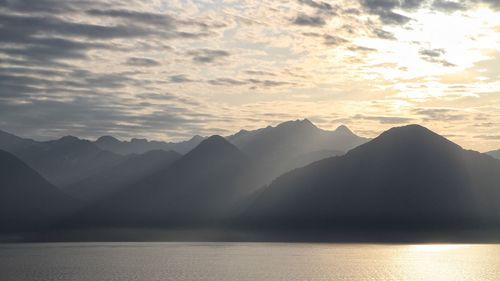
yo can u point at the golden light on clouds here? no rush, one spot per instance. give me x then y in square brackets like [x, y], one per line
[172, 69]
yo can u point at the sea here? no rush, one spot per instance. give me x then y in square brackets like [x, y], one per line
[161, 261]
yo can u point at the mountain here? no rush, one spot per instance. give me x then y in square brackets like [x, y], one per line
[64, 161]
[494, 153]
[294, 137]
[27, 200]
[110, 180]
[408, 178]
[205, 184]
[139, 146]
[282, 148]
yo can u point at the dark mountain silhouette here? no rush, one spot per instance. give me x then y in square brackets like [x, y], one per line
[494, 153]
[64, 161]
[204, 185]
[139, 146]
[127, 172]
[283, 147]
[27, 200]
[408, 178]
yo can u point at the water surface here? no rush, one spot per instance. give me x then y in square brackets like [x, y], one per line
[246, 261]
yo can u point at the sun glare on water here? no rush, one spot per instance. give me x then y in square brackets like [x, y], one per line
[436, 247]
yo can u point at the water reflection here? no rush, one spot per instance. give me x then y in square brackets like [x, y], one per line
[437, 247]
[247, 261]
[444, 262]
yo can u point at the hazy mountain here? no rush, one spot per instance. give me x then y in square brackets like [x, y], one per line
[27, 200]
[407, 178]
[294, 138]
[110, 180]
[205, 184]
[293, 144]
[139, 146]
[494, 153]
[64, 161]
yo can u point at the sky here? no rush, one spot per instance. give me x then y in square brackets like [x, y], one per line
[168, 70]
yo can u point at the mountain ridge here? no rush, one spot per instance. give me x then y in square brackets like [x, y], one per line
[407, 177]
[201, 186]
[139, 146]
[63, 161]
[27, 200]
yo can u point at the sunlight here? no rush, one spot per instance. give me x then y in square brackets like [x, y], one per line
[453, 42]
[436, 247]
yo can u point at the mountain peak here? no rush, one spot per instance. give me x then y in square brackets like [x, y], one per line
[343, 129]
[214, 145]
[304, 123]
[69, 139]
[196, 138]
[210, 149]
[411, 137]
[410, 130]
[108, 139]
[139, 141]
[215, 140]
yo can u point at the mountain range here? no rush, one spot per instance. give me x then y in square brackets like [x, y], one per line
[139, 146]
[204, 185]
[408, 178]
[290, 178]
[83, 168]
[293, 144]
[62, 162]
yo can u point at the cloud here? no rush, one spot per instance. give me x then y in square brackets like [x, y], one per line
[329, 40]
[180, 78]
[134, 61]
[440, 114]
[226, 82]
[259, 73]
[268, 83]
[495, 4]
[435, 56]
[36, 25]
[449, 6]
[62, 70]
[382, 34]
[352, 11]
[320, 6]
[334, 40]
[252, 82]
[390, 17]
[383, 119]
[306, 20]
[44, 6]
[384, 9]
[137, 17]
[361, 49]
[208, 55]
[169, 69]
[488, 137]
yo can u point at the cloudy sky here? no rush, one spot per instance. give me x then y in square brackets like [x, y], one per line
[170, 69]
